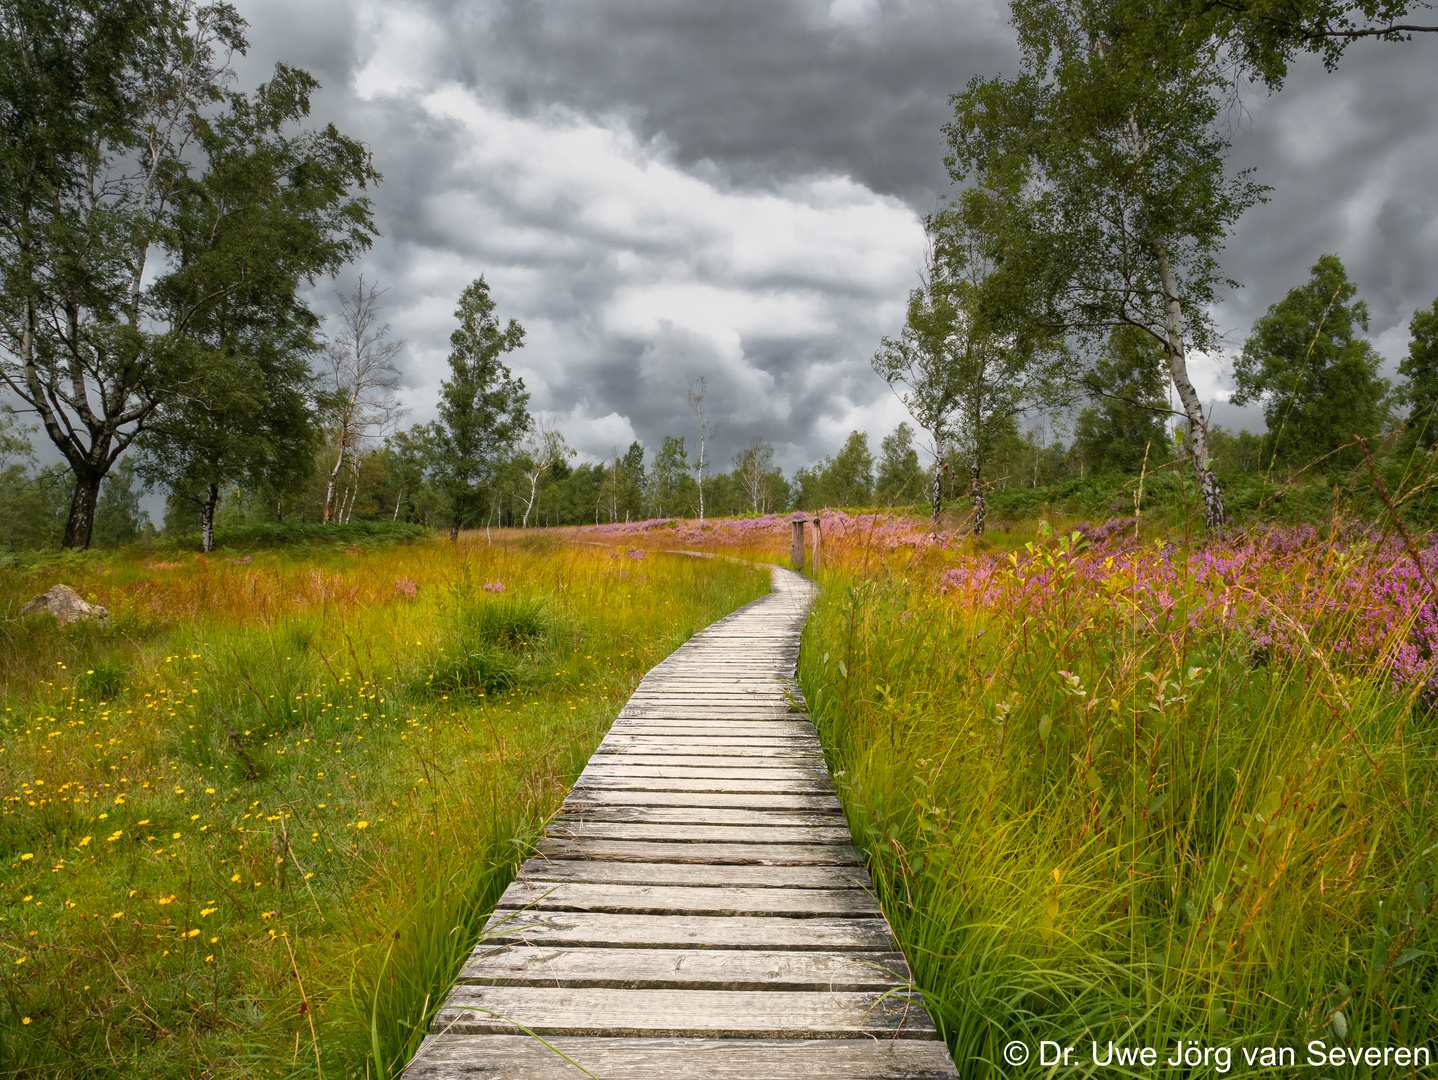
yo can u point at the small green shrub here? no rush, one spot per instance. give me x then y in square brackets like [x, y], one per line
[508, 621]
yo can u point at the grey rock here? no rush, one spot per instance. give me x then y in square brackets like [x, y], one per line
[65, 604]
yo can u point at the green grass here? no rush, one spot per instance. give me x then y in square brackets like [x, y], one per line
[1083, 830]
[245, 837]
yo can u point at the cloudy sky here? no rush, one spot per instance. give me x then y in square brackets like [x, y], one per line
[663, 190]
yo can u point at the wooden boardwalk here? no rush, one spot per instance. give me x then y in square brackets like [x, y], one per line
[697, 909]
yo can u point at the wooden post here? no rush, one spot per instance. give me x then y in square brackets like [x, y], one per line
[796, 545]
[818, 539]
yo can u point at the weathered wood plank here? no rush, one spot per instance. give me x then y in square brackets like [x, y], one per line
[693, 900]
[584, 829]
[582, 929]
[646, 851]
[518, 1057]
[581, 798]
[690, 874]
[759, 769]
[693, 744]
[684, 969]
[710, 729]
[763, 758]
[714, 784]
[703, 815]
[771, 1014]
[691, 786]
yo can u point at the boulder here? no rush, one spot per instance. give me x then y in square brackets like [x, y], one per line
[65, 604]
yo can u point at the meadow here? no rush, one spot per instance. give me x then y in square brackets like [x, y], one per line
[1114, 783]
[255, 821]
[1119, 786]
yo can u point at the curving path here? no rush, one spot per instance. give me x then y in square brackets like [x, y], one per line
[697, 909]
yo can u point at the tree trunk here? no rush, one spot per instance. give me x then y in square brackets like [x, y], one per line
[936, 493]
[397, 500]
[977, 490]
[207, 518]
[334, 479]
[533, 494]
[279, 511]
[1214, 514]
[81, 523]
[458, 517]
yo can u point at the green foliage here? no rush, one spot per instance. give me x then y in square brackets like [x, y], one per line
[671, 490]
[1125, 426]
[32, 500]
[900, 481]
[1100, 174]
[270, 535]
[236, 212]
[482, 407]
[1315, 377]
[757, 486]
[969, 367]
[846, 479]
[631, 497]
[118, 517]
[1420, 367]
[1266, 35]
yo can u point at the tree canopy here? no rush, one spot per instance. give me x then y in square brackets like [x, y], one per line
[481, 407]
[1313, 373]
[1101, 171]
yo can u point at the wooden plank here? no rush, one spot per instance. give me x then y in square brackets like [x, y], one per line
[579, 828]
[691, 874]
[707, 712]
[794, 726]
[766, 683]
[684, 969]
[518, 1057]
[759, 769]
[771, 1014]
[695, 900]
[713, 729]
[766, 758]
[582, 798]
[583, 929]
[714, 784]
[703, 815]
[646, 851]
[693, 744]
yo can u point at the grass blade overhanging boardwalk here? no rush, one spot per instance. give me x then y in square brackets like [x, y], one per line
[698, 908]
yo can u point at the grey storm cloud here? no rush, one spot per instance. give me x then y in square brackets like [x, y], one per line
[663, 191]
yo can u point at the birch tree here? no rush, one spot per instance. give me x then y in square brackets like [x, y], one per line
[754, 467]
[542, 447]
[706, 432]
[360, 376]
[920, 361]
[1102, 167]
[966, 375]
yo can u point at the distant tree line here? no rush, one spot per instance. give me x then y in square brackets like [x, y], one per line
[487, 462]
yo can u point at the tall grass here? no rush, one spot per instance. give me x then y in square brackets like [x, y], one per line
[1140, 792]
[247, 834]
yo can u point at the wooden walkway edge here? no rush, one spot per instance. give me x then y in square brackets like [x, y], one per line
[697, 909]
